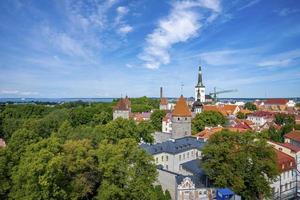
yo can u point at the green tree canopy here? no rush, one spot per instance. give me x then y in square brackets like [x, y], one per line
[207, 118]
[242, 162]
[240, 115]
[119, 181]
[156, 119]
[284, 119]
[250, 106]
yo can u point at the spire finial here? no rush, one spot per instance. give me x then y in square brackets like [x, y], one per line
[181, 88]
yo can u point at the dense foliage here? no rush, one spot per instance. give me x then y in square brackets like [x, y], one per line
[240, 115]
[287, 124]
[156, 119]
[250, 106]
[207, 119]
[74, 151]
[242, 162]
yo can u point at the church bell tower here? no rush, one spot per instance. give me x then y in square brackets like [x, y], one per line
[200, 88]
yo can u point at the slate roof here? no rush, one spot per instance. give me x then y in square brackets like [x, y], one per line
[193, 166]
[174, 147]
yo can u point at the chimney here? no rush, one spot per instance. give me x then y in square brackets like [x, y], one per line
[161, 92]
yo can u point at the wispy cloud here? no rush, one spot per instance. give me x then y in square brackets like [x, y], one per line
[17, 92]
[249, 4]
[182, 24]
[281, 59]
[122, 27]
[287, 11]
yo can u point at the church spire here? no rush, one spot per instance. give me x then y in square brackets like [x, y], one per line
[200, 83]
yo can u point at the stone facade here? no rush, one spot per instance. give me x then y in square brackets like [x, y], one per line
[121, 113]
[181, 126]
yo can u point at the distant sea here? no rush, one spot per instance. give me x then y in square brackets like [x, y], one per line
[62, 100]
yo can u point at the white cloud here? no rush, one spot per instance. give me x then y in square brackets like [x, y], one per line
[222, 57]
[125, 29]
[122, 27]
[182, 24]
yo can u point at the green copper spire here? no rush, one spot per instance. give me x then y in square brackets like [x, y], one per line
[200, 83]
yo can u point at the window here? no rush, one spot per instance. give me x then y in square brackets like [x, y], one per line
[192, 153]
[185, 119]
[156, 159]
[183, 156]
[167, 158]
[166, 166]
[188, 154]
[162, 158]
[178, 118]
[179, 157]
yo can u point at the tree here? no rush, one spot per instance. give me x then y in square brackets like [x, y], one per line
[145, 130]
[207, 118]
[5, 182]
[240, 115]
[120, 129]
[250, 106]
[52, 170]
[284, 119]
[156, 119]
[243, 162]
[119, 181]
[101, 118]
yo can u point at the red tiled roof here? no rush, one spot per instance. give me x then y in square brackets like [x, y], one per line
[289, 146]
[293, 135]
[242, 125]
[123, 104]
[262, 114]
[284, 161]
[207, 133]
[181, 108]
[276, 101]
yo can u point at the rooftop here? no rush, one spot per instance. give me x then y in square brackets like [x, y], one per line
[262, 114]
[284, 161]
[276, 101]
[174, 147]
[294, 135]
[193, 166]
[181, 108]
[123, 104]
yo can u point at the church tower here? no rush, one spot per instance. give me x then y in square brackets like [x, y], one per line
[200, 88]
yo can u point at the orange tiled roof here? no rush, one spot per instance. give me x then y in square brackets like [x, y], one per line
[181, 108]
[245, 111]
[294, 135]
[207, 133]
[213, 108]
[163, 101]
[284, 161]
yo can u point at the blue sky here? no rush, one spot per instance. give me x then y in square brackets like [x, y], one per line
[110, 48]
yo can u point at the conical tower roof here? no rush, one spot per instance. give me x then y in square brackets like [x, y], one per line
[181, 108]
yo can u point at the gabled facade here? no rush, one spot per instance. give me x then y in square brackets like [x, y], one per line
[122, 109]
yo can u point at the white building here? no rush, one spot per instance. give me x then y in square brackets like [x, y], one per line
[200, 88]
[259, 118]
[284, 187]
[179, 171]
